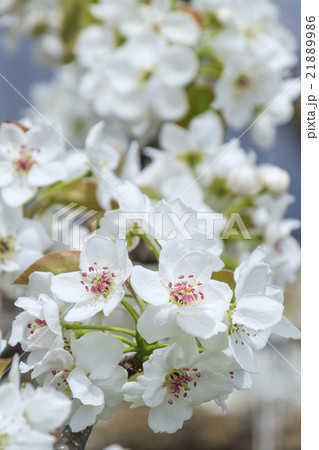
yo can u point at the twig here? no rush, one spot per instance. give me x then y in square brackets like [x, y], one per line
[72, 441]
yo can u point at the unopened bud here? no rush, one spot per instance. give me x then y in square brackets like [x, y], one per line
[276, 180]
[244, 180]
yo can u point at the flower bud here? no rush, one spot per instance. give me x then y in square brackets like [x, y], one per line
[244, 180]
[275, 179]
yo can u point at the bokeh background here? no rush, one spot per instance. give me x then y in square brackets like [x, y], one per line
[266, 418]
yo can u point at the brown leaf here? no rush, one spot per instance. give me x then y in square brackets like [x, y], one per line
[59, 262]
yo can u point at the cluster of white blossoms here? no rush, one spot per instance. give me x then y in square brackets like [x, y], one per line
[140, 63]
[190, 337]
[25, 418]
[168, 301]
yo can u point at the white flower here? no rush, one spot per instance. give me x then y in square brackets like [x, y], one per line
[256, 309]
[245, 84]
[95, 383]
[175, 379]
[37, 328]
[282, 249]
[278, 111]
[22, 241]
[144, 75]
[176, 26]
[28, 415]
[28, 159]
[182, 147]
[181, 294]
[104, 267]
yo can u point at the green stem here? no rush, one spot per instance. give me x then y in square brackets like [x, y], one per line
[59, 187]
[125, 340]
[131, 310]
[237, 207]
[129, 349]
[150, 243]
[96, 327]
[160, 346]
[136, 298]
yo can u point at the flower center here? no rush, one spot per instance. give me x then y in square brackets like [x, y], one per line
[24, 162]
[185, 292]
[192, 157]
[36, 324]
[98, 282]
[240, 332]
[61, 382]
[180, 381]
[242, 82]
[6, 247]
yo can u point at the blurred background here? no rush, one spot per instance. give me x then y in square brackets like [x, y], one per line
[268, 416]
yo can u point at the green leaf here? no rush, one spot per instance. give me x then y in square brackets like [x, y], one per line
[200, 96]
[59, 262]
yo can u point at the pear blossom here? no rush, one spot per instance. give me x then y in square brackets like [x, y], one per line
[182, 147]
[25, 419]
[245, 84]
[38, 328]
[282, 249]
[104, 267]
[177, 378]
[176, 26]
[256, 309]
[277, 112]
[181, 294]
[22, 241]
[28, 159]
[94, 381]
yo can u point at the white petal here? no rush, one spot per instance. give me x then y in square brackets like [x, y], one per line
[286, 329]
[17, 193]
[243, 354]
[84, 310]
[175, 139]
[83, 389]
[157, 323]
[148, 286]
[178, 66]
[84, 416]
[107, 353]
[181, 27]
[6, 174]
[42, 418]
[253, 279]
[199, 323]
[169, 418]
[209, 386]
[169, 103]
[258, 312]
[68, 287]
